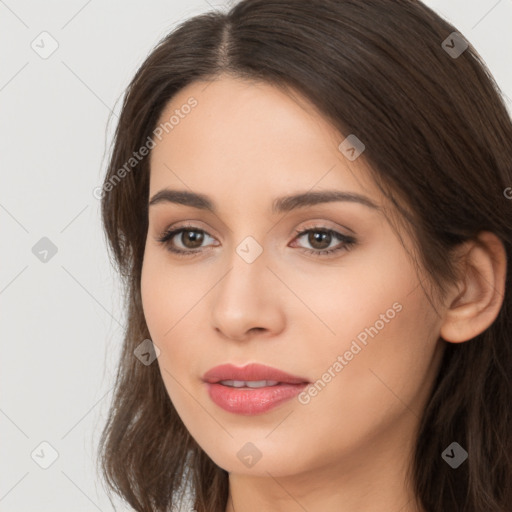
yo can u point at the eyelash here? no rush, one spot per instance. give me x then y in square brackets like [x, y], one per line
[347, 241]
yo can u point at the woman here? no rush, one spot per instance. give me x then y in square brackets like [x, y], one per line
[307, 202]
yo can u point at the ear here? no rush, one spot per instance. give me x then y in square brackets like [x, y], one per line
[481, 289]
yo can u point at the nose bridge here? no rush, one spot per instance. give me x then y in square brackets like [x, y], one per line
[247, 263]
[246, 239]
[245, 299]
[247, 249]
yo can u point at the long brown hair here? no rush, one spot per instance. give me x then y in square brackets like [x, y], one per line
[438, 139]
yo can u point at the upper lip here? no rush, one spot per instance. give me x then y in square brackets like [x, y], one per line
[250, 372]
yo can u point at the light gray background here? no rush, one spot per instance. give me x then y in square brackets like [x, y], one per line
[62, 319]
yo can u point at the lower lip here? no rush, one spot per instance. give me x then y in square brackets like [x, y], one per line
[252, 401]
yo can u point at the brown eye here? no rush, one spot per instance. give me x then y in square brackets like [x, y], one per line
[184, 240]
[192, 239]
[319, 239]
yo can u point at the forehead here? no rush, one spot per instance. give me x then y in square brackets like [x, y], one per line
[252, 136]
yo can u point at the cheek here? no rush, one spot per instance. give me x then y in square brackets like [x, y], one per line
[351, 296]
[171, 303]
[383, 329]
[386, 363]
[165, 292]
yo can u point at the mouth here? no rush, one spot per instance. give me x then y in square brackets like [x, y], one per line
[253, 389]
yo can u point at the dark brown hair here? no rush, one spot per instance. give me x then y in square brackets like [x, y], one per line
[438, 139]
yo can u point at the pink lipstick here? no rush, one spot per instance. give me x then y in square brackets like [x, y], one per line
[251, 389]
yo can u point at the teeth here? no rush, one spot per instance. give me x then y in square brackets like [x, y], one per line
[249, 383]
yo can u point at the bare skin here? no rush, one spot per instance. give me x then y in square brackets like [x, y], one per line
[349, 447]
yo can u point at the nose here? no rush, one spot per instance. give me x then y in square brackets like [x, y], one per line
[247, 299]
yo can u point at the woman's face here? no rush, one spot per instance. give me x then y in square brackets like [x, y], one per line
[354, 323]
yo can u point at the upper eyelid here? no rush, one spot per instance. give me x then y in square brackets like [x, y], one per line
[316, 225]
[176, 230]
[311, 224]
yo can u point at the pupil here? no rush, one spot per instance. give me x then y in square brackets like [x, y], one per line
[194, 237]
[319, 236]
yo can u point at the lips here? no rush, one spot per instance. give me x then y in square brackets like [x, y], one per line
[251, 389]
[250, 372]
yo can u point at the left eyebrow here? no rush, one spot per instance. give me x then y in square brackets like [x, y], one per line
[305, 199]
[279, 205]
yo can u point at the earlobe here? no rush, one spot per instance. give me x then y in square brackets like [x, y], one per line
[479, 297]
